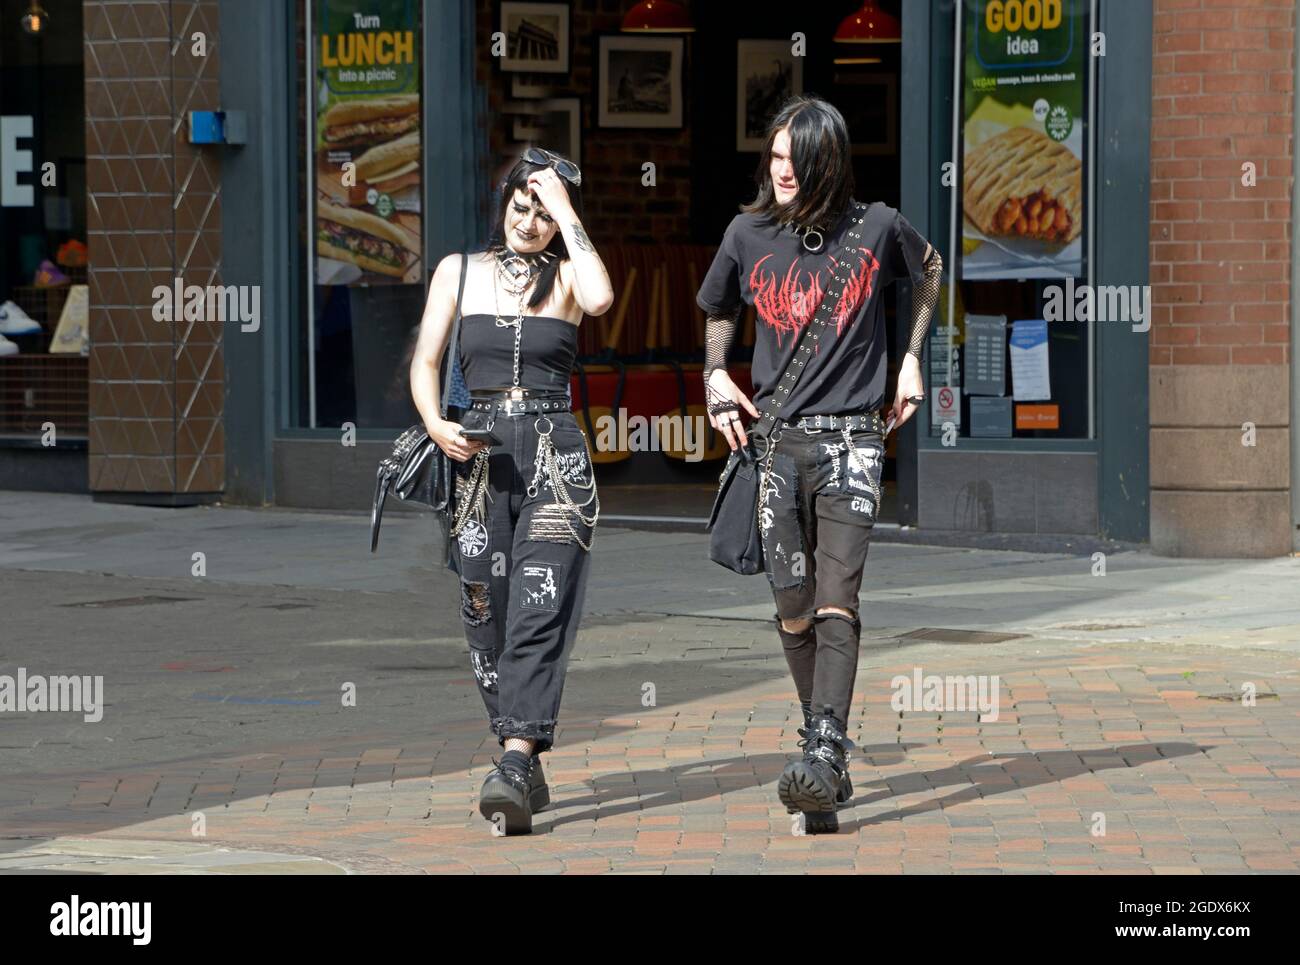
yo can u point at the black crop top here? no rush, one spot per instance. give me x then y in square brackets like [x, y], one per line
[546, 352]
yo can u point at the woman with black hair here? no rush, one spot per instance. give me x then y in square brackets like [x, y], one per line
[820, 462]
[525, 504]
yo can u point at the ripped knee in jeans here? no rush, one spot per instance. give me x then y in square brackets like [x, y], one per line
[475, 602]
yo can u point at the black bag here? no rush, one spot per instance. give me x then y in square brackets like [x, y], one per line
[734, 538]
[417, 469]
[733, 521]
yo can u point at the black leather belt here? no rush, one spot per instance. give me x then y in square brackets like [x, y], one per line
[855, 422]
[509, 406]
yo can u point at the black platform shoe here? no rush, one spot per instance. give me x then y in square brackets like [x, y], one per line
[813, 785]
[507, 795]
[846, 788]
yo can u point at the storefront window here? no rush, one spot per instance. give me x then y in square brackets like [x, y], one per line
[44, 301]
[1011, 354]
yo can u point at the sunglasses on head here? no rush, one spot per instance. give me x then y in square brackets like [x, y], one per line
[565, 169]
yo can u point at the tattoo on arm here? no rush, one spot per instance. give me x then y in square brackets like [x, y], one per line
[581, 236]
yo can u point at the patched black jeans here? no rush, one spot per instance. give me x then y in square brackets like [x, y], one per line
[816, 511]
[523, 572]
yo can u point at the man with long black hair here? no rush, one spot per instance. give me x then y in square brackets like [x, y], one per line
[819, 492]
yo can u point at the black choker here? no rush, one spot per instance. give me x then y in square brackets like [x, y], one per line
[518, 269]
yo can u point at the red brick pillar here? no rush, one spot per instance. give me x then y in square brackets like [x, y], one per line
[153, 213]
[1220, 254]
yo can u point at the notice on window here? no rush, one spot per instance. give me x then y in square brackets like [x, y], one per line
[986, 349]
[366, 216]
[1030, 374]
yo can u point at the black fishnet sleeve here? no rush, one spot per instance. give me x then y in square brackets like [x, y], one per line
[925, 296]
[719, 332]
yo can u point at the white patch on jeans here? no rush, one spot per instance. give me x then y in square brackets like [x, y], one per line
[539, 585]
[473, 539]
[768, 491]
[573, 467]
[833, 449]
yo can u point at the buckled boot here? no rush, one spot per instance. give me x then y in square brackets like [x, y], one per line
[813, 785]
[846, 787]
[507, 793]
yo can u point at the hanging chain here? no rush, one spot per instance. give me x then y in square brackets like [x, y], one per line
[547, 465]
[476, 492]
[862, 464]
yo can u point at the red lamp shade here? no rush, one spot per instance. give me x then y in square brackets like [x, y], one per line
[870, 25]
[658, 16]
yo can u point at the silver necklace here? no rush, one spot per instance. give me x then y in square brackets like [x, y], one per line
[518, 273]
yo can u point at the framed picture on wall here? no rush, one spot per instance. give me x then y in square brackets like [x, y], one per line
[871, 112]
[536, 37]
[766, 74]
[556, 125]
[639, 81]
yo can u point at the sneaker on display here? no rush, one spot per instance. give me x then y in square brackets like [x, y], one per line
[7, 347]
[15, 321]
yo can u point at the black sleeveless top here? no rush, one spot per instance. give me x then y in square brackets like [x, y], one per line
[547, 348]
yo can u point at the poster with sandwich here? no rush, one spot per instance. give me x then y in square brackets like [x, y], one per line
[367, 218]
[1023, 139]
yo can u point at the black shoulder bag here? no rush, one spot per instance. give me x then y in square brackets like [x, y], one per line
[734, 540]
[418, 469]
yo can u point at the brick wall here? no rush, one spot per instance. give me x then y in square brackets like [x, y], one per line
[153, 213]
[620, 209]
[1220, 276]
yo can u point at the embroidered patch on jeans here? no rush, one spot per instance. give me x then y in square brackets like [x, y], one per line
[485, 670]
[473, 539]
[539, 585]
[861, 478]
[573, 467]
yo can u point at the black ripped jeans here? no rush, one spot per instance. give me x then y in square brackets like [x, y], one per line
[816, 511]
[523, 572]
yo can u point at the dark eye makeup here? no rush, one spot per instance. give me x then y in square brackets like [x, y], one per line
[520, 209]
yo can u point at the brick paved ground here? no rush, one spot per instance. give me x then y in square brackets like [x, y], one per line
[1121, 705]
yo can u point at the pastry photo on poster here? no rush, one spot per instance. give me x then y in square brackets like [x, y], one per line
[367, 146]
[1023, 138]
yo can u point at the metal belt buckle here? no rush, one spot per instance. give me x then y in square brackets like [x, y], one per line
[516, 394]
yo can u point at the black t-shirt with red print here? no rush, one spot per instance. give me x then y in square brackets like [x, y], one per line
[767, 266]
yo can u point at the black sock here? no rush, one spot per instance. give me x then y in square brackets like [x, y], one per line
[517, 761]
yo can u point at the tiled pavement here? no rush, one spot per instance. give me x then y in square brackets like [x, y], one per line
[1121, 744]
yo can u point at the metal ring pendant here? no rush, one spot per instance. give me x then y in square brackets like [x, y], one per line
[808, 232]
[515, 269]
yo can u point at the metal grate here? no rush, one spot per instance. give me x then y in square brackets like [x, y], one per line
[36, 389]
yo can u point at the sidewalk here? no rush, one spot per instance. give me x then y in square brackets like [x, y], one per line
[1119, 703]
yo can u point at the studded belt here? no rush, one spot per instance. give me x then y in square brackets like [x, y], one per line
[854, 422]
[506, 405]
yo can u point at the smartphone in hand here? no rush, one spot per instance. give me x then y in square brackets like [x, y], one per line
[480, 435]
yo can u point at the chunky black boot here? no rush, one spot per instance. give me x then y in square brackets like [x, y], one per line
[846, 787]
[539, 795]
[506, 796]
[813, 785]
